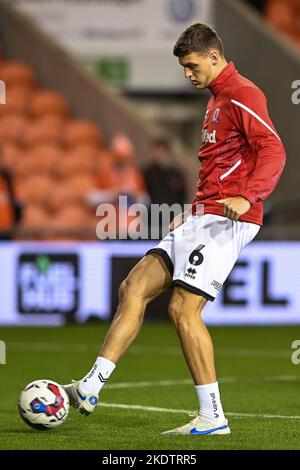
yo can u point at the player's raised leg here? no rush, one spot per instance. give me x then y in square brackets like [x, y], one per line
[185, 311]
[149, 278]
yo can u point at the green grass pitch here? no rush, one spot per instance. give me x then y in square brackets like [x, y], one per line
[259, 386]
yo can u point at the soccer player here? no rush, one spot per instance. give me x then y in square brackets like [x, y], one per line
[242, 158]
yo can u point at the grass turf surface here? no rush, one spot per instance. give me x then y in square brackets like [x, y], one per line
[254, 366]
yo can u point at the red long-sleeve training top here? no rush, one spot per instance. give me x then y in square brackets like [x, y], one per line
[241, 152]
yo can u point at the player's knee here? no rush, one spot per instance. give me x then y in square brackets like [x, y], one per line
[122, 289]
[129, 287]
[177, 309]
[184, 307]
[174, 312]
[182, 320]
[179, 318]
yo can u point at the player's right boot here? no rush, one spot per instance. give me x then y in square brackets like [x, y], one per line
[200, 426]
[83, 403]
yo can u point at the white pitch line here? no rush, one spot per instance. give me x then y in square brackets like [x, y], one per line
[166, 383]
[172, 410]
[148, 383]
[141, 407]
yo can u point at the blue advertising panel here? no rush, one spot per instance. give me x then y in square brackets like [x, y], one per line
[50, 283]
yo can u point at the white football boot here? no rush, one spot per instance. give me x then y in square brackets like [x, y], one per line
[83, 403]
[200, 426]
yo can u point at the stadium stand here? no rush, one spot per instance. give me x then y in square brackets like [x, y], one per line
[65, 107]
[285, 16]
[56, 161]
[29, 124]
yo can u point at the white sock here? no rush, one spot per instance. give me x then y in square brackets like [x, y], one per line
[96, 378]
[210, 402]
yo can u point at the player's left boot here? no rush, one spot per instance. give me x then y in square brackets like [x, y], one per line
[84, 403]
[200, 426]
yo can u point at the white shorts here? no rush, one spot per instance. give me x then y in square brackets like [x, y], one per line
[202, 251]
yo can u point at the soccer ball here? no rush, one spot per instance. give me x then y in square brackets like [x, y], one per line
[44, 405]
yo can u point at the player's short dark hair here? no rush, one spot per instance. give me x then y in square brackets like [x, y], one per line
[198, 37]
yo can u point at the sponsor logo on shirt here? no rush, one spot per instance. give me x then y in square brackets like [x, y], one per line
[191, 272]
[217, 285]
[209, 137]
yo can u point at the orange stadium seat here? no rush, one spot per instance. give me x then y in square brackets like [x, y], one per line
[42, 159]
[10, 156]
[48, 152]
[60, 197]
[56, 161]
[48, 130]
[13, 129]
[17, 101]
[47, 102]
[295, 37]
[79, 186]
[74, 190]
[279, 14]
[82, 132]
[285, 15]
[78, 161]
[71, 217]
[35, 189]
[17, 74]
[6, 209]
[87, 150]
[35, 217]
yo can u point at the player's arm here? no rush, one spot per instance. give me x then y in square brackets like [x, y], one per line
[234, 207]
[250, 116]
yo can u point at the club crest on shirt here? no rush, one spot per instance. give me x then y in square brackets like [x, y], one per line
[215, 118]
